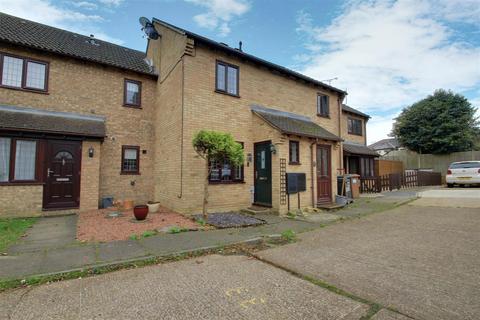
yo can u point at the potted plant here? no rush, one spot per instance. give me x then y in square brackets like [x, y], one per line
[140, 212]
[153, 206]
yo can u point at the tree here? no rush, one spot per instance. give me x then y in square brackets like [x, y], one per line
[441, 123]
[218, 147]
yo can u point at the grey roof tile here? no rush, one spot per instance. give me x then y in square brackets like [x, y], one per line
[354, 111]
[35, 120]
[356, 148]
[42, 37]
[291, 123]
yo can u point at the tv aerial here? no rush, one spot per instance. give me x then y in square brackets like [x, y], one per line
[148, 28]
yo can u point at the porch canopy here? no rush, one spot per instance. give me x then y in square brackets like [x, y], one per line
[292, 123]
[13, 118]
[351, 148]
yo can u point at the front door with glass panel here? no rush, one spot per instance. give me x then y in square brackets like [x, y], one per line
[62, 182]
[263, 174]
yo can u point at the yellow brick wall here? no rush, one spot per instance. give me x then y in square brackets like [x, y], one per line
[206, 109]
[88, 88]
[353, 137]
[21, 201]
[90, 176]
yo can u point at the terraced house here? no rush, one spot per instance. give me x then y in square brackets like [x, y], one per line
[82, 119]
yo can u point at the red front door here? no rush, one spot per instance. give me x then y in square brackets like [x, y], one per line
[324, 175]
[62, 182]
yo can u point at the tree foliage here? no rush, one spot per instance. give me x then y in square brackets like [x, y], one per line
[216, 146]
[441, 123]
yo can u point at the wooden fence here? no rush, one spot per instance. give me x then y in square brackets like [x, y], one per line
[396, 181]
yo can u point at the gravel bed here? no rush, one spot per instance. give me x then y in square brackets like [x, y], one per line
[231, 220]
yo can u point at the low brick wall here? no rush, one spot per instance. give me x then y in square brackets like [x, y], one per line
[21, 201]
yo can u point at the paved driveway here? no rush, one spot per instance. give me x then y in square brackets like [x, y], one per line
[213, 287]
[422, 261]
[453, 198]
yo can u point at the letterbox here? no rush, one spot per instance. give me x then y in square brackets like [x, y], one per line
[296, 182]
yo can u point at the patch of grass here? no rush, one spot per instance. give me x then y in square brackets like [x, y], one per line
[291, 215]
[201, 222]
[12, 229]
[289, 235]
[149, 233]
[133, 237]
[177, 230]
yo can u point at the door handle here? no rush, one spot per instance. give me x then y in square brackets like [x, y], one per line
[49, 172]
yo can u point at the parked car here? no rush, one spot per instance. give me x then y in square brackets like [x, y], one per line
[463, 173]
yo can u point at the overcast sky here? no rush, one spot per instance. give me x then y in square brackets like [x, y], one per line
[386, 54]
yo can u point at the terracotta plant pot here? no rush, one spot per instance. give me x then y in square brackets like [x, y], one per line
[153, 207]
[140, 212]
[127, 204]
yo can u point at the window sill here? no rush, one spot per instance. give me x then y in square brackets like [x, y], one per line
[22, 183]
[294, 164]
[133, 106]
[24, 89]
[356, 134]
[226, 182]
[227, 94]
[323, 116]
[130, 173]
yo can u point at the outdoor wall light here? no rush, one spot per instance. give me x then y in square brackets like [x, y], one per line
[273, 149]
[249, 158]
[91, 152]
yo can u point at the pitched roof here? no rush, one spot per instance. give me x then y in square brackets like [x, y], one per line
[356, 148]
[39, 36]
[354, 111]
[34, 120]
[291, 123]
[249, 57]
[390, 143]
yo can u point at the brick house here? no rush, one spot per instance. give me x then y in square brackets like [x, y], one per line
[82, 119]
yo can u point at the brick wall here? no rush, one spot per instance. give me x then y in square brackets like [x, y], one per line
[21, 201]
[88, 88]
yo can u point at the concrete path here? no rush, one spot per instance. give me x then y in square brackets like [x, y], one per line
[46, 233]
[213, 287]
[453, 198]
[422, 261]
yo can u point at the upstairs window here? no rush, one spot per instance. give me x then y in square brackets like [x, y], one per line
[133, 93]
[294, 152]
[355, 126]
[18, 159]
[130, 160]
[323, 109]
[23, 73]
[227, 78]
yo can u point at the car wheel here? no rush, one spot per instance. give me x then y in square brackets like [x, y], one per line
[449, 185]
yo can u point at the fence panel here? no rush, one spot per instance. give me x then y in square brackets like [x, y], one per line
[397, 181]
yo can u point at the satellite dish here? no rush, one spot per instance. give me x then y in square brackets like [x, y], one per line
[148, 28]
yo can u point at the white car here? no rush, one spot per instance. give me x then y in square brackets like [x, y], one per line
[463, 173]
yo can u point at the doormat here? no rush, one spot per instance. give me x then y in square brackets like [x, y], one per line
[230, 220]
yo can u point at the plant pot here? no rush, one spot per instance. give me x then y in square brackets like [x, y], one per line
[127, 204]
[153, 206]
[140, 212]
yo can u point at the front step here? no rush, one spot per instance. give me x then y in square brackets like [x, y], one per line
[257, 210]
[329, 206]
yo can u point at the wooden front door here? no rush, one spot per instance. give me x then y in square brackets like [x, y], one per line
[62, 181]
[263, 174]
[324, 174]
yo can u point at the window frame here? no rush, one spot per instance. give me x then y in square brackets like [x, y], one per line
[290, 142]
[232, 174]
[225, 91]
[132, 105]
[126, 172]
[12, 159]
[352, 129]
[319, 106]
[25, 60]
